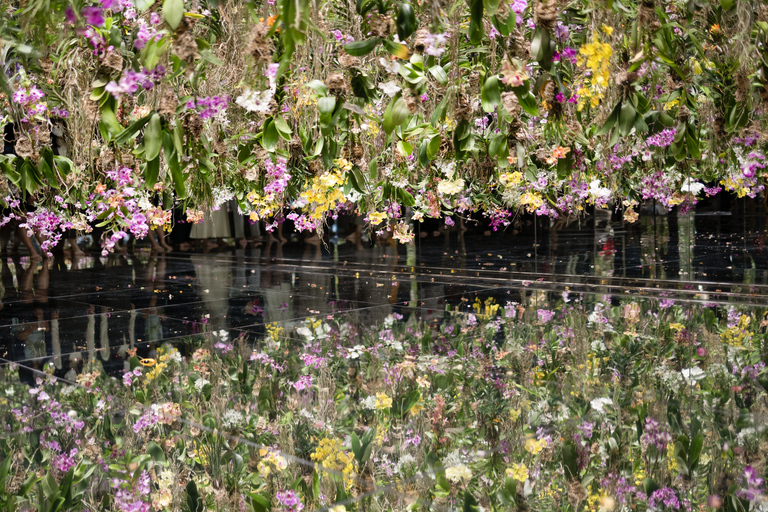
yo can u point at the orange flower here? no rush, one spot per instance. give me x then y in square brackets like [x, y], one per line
[560, 152]
[116, 200]
[270, 21]
[100, 188]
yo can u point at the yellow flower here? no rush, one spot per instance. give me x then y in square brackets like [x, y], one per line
[671, 460]
[330, 455]
[519, 472]
[377, 217]
[514, 414]
[608, 30]
[534, 446]
[382, 401]
[677, 327]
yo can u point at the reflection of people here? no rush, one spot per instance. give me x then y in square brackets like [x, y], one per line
[153, 326]
[33, 336]
[214, 227]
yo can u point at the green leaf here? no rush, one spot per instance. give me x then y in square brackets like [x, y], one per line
[318, 87]
[109, 121]
[439, 73]
[540, 43]
[470, 503]
[496, 143]
[4, 468]
[570, 460]
[172, 158]
[360, 48]
[395, 115]
[491, 6]
[407, 199]
[433, 147]
[132, 129]
[282, 127]
[356, 446]
[693, 146]
[491, 95]
[626, 118]
[152, 171]
[475, 21]
[406, 21]
[156, 452]
[143, 5]
[193, 498]
[173, 10]
[153, 140]
[326, 105]
[398, 50]
[208, 56]
[611, 121]
[405, 148]
[695, 450]
[527, 100]
[270, 135]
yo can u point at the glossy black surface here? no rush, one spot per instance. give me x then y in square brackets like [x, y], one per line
[65, 310]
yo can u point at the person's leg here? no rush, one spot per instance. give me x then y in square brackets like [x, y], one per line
[21, 235]
[76, 251]
[161, 238]
[156, 247]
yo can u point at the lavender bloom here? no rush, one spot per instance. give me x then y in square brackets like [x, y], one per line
[664, 496]
[93, 16]
[290, 500]
[655, 435]
[662, 139]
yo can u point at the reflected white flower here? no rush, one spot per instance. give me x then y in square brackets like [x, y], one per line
[598, 404]
[390, 88]
[255, 101]
[691, 375]
[355, 352]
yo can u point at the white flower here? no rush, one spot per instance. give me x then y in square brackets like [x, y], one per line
[390, 65]
[598, 404]
[355, 351]
[692, 375]
[370, 402]
[255, 101]
[390, 88]
[200, 384]
[304, 331]
[232, 419]
[692, 186]
[596, 191]
[457, 473]
[449, 188]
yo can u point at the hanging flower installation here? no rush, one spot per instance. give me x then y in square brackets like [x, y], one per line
[121, 112]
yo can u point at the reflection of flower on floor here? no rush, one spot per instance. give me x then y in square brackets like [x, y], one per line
[565, 398]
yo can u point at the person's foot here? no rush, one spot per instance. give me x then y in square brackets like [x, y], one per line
[156, 248]
[185, 246]
[165, 246]
[242, 243]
